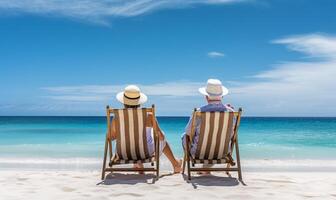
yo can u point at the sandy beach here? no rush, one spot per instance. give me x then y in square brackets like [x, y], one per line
[89, 87]
[87, 185]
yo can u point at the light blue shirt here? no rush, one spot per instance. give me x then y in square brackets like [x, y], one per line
[214, 106]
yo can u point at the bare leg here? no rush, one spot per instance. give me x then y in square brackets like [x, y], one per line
[139, 166]
[175, 163]
[205, 172]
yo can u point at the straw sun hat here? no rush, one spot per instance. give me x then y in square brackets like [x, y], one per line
[131, 96]
[214, 89]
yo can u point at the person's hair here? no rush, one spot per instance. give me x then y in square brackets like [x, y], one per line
[209, 99]
[131, 106]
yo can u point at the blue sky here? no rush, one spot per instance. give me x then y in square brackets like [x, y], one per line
[278, 58]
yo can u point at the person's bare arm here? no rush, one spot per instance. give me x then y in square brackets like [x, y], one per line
[188, 127]
[112, 132]
[150, 124]
[229, 107]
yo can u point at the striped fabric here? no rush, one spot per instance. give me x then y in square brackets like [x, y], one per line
[221, 161]
[227, 159]
[131, 142]
[214, 138]
[118, 161]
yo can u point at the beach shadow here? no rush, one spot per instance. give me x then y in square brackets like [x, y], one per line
[212, 180]
[167, 174]
[129, 179]
[241, 181]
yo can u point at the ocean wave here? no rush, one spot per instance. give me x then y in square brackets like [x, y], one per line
[96, 164]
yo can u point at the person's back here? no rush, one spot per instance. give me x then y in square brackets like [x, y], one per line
[132, 98]
[216, 106]
[213, 93]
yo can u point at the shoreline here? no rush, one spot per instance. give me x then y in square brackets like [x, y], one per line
[94, 164]
[87, 185]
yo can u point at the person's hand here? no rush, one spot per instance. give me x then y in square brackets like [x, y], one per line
[229, 105]
[110, 135]
[161, 136]
[113, 137]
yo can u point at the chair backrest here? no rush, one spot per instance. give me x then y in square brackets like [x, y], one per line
[131, 142]
[216, 131]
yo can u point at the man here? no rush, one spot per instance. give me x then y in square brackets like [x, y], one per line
[213, 92]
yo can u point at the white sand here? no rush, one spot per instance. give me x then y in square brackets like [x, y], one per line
[87, 185]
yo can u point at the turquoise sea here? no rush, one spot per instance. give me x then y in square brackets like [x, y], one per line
[77, 142]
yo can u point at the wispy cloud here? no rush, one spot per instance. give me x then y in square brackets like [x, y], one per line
[300, 88]
[317, 45]
[98, 10]
[171, 98]
[215, 54]
[102, 92]
[304, 88]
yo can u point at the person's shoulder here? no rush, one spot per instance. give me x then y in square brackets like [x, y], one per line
[229, 107]
[203, 108]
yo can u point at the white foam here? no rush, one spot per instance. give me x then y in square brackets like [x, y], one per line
[96, 164]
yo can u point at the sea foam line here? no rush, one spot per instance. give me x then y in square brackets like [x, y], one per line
[96, 163]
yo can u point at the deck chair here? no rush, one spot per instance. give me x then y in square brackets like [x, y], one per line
[218, 137]
[131, 143]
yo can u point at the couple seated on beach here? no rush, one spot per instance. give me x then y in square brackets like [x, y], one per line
[132, 97]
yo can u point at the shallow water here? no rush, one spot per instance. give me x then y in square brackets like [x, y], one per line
[46, 140]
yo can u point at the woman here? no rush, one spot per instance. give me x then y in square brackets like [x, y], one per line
[131, 97]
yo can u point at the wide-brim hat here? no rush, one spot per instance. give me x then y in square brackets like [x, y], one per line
[214, 89]
[131, 96]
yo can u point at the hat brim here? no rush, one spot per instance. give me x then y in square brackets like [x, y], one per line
[203, 91]
[132, 102]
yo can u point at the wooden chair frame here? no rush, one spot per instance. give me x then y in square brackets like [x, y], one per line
[108, 148]
[234, 145]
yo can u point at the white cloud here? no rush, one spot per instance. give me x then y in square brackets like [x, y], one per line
[316, 45]
[103, 92]
[295, 88]
[215, 54]
[98, 10]
[171, 98]
[304, 88]
[78, 98]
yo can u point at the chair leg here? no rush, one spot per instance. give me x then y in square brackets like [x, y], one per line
[110, 148]
[184, 163]
[157, 170]
[238, 161]
[227, 167]
[104, 161]
[103, 174]
[157, 159]
[187, 155]
[188, 166]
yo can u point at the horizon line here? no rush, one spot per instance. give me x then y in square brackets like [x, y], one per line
[250, 116]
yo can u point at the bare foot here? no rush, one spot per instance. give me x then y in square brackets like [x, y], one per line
[178, 167]
[139, 166]
[203, 173]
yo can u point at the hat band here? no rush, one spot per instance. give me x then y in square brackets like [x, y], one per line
[213, 94]
[132, 98]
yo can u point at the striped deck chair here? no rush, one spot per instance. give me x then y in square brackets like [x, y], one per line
[218, 137]
[131, 143]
